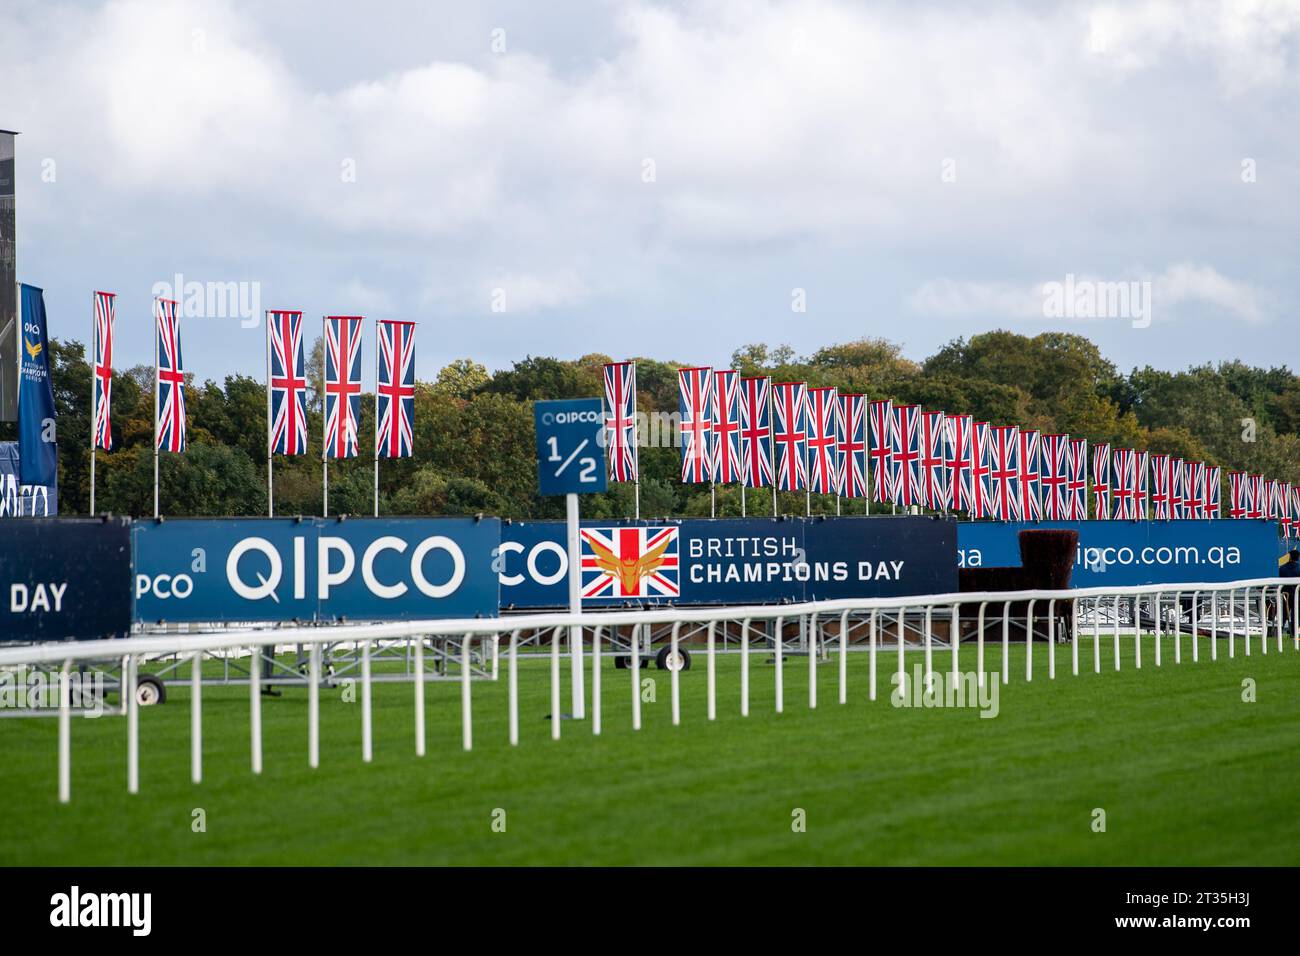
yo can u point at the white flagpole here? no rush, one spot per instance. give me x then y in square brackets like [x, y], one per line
[155, 410]
[742, 497]
[377, 418]
[94, 406]
[270, 497]
[324, 425]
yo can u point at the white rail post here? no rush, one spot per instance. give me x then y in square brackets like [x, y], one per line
[1006, 642]
[674, 673]
[367, 744]
[871, 655]
[1029, 640]
[1074, 637]
[555, 682]
[1116, 631]
[1051, 639]
[1178, 627]
[744, 668]
[1214, 625]
[1137, 632]
[1263, 619]
[255, 707]
[1157, 599]
[196, 718]
[1295, 619]
[578, 693]
[812, 661]
[929, 650]
[512, 693]
[1277, 621]
[635, 667]
[1232, 624]
[844, 658]
[419, 695]
[777, 647]
[979, 642]
[955, 639]
[902, 653]
[595, 682]
[712, 673]
[1096, 635]
[496, 657]
[65, 732]
[1196, 626]
[1245, 614]
[466, 712]
[132, 728]
[313, 707]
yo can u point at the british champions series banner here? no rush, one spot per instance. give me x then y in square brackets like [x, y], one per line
[315, 569]
[729, 560]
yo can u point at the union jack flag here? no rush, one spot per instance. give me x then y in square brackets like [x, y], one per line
[1295, 511]
[287, 384]
[882, 462]
[1053, 475]
[1194, 503]
[1140, 495]
[1258, 505]
[726, 426]
[1239, 494]
[853, 446]
[1076, 488]
[1101, 479]
[1177, 488]
[906, 453]
[961, 494]
[981, 471]
[620, 420]
[1213, 491]
[823, 441]
[1284, 508]
[1271, 500]
[1031, 466]
[102, 357]
[170, 379]
[1124, 491]
[756, 431]
[1160, 487]
[395, 389]
[695, 401]
[630, 563]
[790, 437]
[934, 492]
[342, 384]
[1005, 474]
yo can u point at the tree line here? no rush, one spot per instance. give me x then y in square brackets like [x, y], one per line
[474, 448]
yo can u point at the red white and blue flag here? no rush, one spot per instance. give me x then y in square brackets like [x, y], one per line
[342, 384]
[620, 420]
[1272, 498]
[1005, 474]
[959, 464]
[726, 426]
[1284, 508]
[1160, 487]
[1076, 488]
[1143, 487]
[1124, 489]
[981, 471]
[1196, 490]
[1031, 503]
[1213, 491]
[287, 384]
[102, 369]
[934, 461]
[853, 446]
[395, 389]
[1177, 488]
[823, 441]
[630, 563]
[881, 420]
[756, 431]
[170, 379]
[1054, 473]
[1238, 494]
[1101, 479]
[790, 435]
[695, 402]
[1258, 504]
[906, 452]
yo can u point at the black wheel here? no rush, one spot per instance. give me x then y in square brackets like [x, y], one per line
[620, 663]
[664, 660]
[149, 690]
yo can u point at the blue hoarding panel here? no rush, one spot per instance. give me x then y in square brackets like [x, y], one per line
[729, 560]
[1121, 553]
[570, 446]
[284, 569]
[65, 577]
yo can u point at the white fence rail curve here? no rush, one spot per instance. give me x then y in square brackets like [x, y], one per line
[1255, 596]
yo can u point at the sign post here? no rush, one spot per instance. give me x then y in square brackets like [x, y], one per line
[570, 461]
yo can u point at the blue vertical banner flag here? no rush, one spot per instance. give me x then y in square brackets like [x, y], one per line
[37, 446]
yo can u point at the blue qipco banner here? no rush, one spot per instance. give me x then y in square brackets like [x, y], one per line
[728, 560]
[38, 453]
[1121, 553]
[315, 569]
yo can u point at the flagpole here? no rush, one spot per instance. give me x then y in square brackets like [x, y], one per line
[155, 413]
[93, 404]
[377, 418]
[324, 425]
[270, 496]
[742, 498]
[713, 500]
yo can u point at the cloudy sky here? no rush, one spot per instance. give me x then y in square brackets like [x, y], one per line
[660, 179]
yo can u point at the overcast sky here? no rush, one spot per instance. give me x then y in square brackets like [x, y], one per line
[659, 179]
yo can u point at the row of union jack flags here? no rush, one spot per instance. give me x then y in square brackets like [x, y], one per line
[286, 382]
[759, 433]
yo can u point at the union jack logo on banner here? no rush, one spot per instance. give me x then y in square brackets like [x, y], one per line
[288, 383]
[1076, 488]
[958, 464]
[1177, 488]
[790, 437]
[695, 402]
[342, 385]
[102, 369]
[1124, 491]
[1005, 475]
[756, 431]
[620, 420]
[1213, 491]
[934, 463]
[981, 471]
[170, 379]
[1053, 474]
[726, 427]
[1101, 479]
[906, 452]
[395, 389]
[823, 441]
[853, 446]
[1239, 495]
[1160, 487]
[881, 416]
[630, 563]
[1031, 466]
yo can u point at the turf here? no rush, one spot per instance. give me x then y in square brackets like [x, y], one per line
[1185, 770]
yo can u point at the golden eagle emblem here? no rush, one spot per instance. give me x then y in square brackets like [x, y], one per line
[629, 571]
[32, 350]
